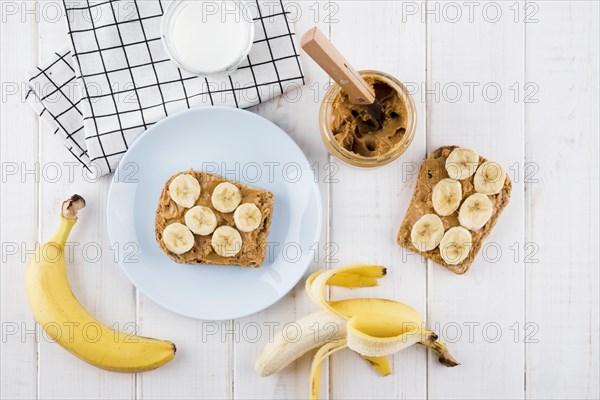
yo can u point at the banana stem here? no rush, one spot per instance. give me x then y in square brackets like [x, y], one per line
[71, 207]
[68, 218]
[430, 341]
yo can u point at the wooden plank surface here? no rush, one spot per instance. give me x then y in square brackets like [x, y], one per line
[18, 207]
[201, 369]
[542, 292]
[367, 206]
[562, 200]
[487, 53]
[96, 279]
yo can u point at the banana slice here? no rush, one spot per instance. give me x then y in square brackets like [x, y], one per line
[184, 190]
[226, 197]
[201, 220]
[455, 245]
[178, 238]
[247, 217]
[226, 241]
[489, 178]
[446, 196]
[461, 163]
[475, 211]
[427, 232]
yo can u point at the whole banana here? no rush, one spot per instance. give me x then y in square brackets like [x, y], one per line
[65, 320]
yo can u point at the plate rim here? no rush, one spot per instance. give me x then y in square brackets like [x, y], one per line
[314, 185]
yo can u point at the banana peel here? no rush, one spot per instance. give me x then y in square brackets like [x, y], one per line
[372, 327]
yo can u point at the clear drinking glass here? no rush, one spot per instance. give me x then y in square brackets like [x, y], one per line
[176, 7]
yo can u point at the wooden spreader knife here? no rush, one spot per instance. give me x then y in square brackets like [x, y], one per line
[322, 51]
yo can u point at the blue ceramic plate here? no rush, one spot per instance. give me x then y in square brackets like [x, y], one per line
[238, 145]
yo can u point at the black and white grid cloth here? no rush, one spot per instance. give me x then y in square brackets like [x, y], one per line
[115, 79]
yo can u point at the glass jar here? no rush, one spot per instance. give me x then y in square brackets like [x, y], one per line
[325, 116]
[206, 37]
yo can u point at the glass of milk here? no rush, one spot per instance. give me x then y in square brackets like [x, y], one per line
[207, 37]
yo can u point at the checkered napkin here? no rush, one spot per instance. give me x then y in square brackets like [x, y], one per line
[115, 79]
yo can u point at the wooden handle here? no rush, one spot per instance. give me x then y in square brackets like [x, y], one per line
[316, 45]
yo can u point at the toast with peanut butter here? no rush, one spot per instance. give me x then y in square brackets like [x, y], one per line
[203, 218]
[457, 201]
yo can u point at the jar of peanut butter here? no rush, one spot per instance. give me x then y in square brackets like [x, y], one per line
[352, 135]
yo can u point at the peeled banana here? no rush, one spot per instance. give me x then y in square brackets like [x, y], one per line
[64, 319]
[372, 327]
[280, 353]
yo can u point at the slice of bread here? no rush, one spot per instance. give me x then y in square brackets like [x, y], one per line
[254, 244]
[432, 171]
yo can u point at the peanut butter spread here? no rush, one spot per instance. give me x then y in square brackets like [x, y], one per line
[253, 251]
[355, 130]
[432, 171]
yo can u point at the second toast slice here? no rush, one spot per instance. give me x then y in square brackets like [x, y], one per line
[432, 171]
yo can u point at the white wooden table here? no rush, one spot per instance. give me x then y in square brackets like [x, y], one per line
[517, 81]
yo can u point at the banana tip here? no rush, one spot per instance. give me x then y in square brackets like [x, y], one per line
[449, 363]
[262, 372]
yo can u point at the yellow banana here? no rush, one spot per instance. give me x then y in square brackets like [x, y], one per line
[376, 327]
[362, 275]
[64, 319]
[372, 327]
